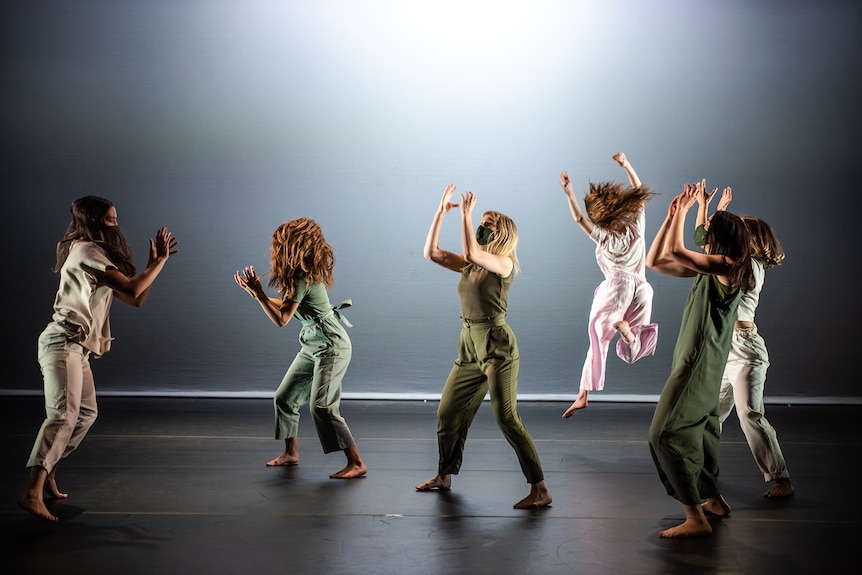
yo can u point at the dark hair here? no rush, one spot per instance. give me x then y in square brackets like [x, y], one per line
[728, 236]
[88, 224]
[764, 245]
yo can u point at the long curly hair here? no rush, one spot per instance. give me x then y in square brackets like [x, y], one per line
[728, 235]
[299, 250]
[88, 224]
[505, 240]
[613, 206]
[764, 245]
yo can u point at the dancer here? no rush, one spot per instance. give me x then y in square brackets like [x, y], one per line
[684, 434]
[622, 303]
[94, 263]
[301, 270]
[744, 377]
[488, 357]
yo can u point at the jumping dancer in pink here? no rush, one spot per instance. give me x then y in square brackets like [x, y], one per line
[622, 303]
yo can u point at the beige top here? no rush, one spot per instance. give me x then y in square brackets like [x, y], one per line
[82, 300]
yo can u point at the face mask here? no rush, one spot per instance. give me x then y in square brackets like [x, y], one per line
[700, 235]
[484, 236]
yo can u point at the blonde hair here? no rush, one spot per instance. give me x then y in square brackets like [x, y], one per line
[298, 251]
[613, 206]
[505, 239]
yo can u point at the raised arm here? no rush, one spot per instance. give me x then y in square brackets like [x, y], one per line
[623, 161]
[134, 291]
[432, 251]
[703, 199]
[473, 252]
[695, 261]
[658, 257]
[577, 214]
[280, 313]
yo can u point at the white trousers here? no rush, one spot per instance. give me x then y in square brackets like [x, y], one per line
[70, 397]
[620, 296]
[742, 386]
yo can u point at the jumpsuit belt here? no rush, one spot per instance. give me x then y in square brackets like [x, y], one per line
[484, 322]
[334, 311]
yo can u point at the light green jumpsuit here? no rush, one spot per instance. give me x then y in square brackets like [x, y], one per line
[316, 372]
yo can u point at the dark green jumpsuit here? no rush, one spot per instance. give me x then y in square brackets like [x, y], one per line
[685, 432]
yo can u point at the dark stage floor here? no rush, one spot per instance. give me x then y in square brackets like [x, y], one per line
[179, 486]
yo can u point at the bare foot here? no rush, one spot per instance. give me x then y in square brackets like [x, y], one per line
[52, 489]
[350, 471]
[695, 524]
[580, 403]
[625, 331]
[283, 459]
[539, 497]
[782, 488]
[33, 504]
[438, 482]
[688, 528]
[716, 507]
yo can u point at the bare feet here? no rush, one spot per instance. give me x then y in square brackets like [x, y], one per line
[580, 403]
[283, 459]
[438, 482]
[539, 497]
[52, 489]
[625, 331]
[716, 507]
[350, 471]
[33, 504]
[782, 488]
[695, 525]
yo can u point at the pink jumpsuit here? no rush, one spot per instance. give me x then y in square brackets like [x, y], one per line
[624, 294]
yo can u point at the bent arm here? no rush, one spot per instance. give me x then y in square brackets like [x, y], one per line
[432, 251]
[134, 291]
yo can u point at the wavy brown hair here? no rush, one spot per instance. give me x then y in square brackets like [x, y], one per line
[298, 251]
[613, 206]
[764, 245]
[88, 224]
[728, 235]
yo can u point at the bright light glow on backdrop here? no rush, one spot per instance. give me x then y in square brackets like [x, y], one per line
[221, 119]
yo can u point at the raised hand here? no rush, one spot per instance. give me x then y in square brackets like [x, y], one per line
[566, 182]
[247, 279]
[164, 246]
[446, 203]
[620, 158]
[726, 196]
[468, 200]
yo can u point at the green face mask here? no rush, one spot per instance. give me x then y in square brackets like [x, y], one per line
[484, 236]
[700, 235]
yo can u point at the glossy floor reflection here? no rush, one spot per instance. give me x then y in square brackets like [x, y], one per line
[179, 485]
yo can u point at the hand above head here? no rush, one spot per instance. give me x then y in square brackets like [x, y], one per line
[566, 182]
[247, 279]
[726, 196]
[446, 203]
[703, 196]
[468, 200]
[690, 194]
[620, 158]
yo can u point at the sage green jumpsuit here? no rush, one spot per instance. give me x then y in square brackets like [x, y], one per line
[488, 361]
[685, 431]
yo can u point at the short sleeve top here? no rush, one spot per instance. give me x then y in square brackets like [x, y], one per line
[82, 299]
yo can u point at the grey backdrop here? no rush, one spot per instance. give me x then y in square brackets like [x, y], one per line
[221, 119]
